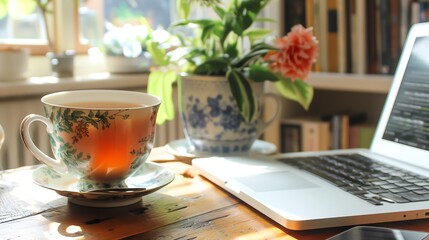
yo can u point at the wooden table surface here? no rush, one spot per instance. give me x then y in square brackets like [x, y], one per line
[188, 208]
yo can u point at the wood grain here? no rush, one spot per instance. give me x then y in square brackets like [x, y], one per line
[188, 208]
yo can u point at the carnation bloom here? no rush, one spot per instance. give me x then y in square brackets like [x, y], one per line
[295, 55]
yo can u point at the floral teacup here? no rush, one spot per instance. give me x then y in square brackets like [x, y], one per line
[100, 136]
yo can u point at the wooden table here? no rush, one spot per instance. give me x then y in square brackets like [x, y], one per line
[188, 208]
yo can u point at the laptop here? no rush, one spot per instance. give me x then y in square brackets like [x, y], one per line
[387, 182]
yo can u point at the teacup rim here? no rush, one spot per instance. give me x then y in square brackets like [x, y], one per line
[105, 91]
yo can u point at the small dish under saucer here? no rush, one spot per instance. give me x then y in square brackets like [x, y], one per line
[180, 148]
[152, 177]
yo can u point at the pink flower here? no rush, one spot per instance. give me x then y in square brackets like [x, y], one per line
[297, 52]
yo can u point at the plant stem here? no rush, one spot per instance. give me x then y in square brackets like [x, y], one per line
[44, 10]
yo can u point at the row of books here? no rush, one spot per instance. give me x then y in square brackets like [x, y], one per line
[338, 131]
[357, 36]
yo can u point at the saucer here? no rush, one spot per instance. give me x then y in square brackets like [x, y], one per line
[180, 148]
[151, 178]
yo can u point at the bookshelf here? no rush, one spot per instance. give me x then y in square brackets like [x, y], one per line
[359, 46]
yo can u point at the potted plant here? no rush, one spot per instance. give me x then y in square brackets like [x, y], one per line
[212, 124]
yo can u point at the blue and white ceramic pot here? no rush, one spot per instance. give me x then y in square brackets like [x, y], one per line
[211, 119]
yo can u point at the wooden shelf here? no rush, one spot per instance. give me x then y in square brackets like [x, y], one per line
[348, 82]
[37, 86]
[351, 82]
[364, 83]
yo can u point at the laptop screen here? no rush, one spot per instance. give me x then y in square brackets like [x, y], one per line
[409, 119]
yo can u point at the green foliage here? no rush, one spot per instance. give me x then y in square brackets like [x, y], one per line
[17, 8]
[297, 90]
[217, 49]
[160, 84]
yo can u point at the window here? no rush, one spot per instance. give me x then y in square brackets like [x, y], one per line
[22, 25]
[97, 17]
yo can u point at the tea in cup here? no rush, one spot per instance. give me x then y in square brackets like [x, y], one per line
[100, 136]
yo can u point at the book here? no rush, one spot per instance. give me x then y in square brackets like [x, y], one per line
[311, 13]
[372, 32]
[305, 134]
[342, 36]
[333, 43]
[321, 32]
[361, 135]
[294, 13]
[340, 131]
[395, 34]
[358, 41]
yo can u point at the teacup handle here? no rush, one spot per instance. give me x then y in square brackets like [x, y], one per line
[263, 125]
[57, 165]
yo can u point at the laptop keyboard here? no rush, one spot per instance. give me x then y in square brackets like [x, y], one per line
[372, 181]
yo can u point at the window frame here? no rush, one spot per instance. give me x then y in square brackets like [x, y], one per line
[56, 20]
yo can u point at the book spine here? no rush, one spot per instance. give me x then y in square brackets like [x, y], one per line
[294, 13]
[321, 19]
[384, 39]
[339, 132]
[360, 35]
[395, 35]
[372, 66]
[305, 135]
[342, 36]
[291, 138]
[333, 36]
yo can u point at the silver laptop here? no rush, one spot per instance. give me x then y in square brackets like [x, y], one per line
[388, 182]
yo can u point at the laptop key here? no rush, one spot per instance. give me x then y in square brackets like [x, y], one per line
[364, 177]
[378, 190]
[413, 188]
[393, 197]
[398, 190]
[415, 197]
[421, 191]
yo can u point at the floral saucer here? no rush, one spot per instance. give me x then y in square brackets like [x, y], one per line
[151, 178]
[180, 148]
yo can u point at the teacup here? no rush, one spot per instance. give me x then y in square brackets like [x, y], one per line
[100, 136]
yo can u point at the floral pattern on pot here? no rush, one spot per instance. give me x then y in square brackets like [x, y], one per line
[94, 142]
[211, 118]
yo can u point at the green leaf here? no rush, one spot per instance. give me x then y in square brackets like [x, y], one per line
[265, 20]
[76, 114]
[219, 11]
[66, 114]
[243, 94]
[258, 51]
[3, 8]
[231, 50]
[200, 22]
[20, 8]
[298, 91]
[260, 73]
[207, 32]
[183, 8]
[228, 23]
[255, 34]
[213, 66]
[158, 54]
[160, 83]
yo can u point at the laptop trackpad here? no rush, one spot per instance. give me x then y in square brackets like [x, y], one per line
[275, 181]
